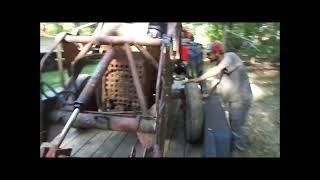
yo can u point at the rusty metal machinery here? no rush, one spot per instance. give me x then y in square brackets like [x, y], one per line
[118, 90]
[124, 81]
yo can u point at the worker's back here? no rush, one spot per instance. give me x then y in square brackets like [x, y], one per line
[235, 84]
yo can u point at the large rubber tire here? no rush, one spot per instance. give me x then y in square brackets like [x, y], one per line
[81, 81]
[194, 118]
[190, 71]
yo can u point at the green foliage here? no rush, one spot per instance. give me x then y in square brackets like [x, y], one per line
[68, 26]
[53, 77]
[87, 31]
[265, 36]
[55, 28]
[215, 31]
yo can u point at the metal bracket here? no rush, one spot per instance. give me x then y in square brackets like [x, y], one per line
[166, 40]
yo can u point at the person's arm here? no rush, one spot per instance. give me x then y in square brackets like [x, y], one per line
[212, 72]
[214, 85]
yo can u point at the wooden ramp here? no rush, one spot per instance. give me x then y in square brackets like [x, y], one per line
[95, 143]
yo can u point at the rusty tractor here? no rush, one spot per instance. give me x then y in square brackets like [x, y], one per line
[129, 90]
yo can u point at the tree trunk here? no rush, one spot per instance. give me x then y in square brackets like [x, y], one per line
[225, 38]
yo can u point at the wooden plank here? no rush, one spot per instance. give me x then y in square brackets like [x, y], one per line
[172, 122]
[177, 145]
[177, 142]
[73, 133]
[110, 145]
[73, 137]
[125, 147]
[139, 150]
[166, 146]
[93, 144]
[77, 143]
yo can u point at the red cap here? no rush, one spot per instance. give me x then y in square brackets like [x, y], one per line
[216, 47]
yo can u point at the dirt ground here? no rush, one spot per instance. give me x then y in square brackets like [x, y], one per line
[263, 122]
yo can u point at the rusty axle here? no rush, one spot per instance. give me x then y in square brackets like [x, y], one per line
[108, 122]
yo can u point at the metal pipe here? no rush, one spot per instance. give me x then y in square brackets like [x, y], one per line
[58, 39]
[59, 59]
[89, 89]
[107, 122]
[148, 55]
[68, 125]
[81, 54]
[162, 59]
[86, 93]
[83, 51]
[136, 80]
[114, 40]
[114, 112]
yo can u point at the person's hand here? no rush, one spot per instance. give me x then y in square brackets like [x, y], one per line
[204, 96]
[192, 80]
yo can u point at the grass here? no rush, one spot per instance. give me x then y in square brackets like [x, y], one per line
[263, 123]
[53, 77]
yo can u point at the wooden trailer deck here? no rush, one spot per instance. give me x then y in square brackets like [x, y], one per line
[102, 143]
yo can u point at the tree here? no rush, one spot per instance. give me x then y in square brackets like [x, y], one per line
[215, 31]
[227, 45]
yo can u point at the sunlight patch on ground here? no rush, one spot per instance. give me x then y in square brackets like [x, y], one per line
[257, 92]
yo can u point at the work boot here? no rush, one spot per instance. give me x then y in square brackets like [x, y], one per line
[238, 143]
[240, 146]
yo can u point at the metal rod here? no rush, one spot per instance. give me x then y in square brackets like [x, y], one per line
[58, 39]
[83, 51]
[66, 128]
[89, 89]
[114, 112]
[136, 80]
[106, 122]
[80, 55]
[59, 59]
[162, 59]
[114, 40]
[148, 55]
